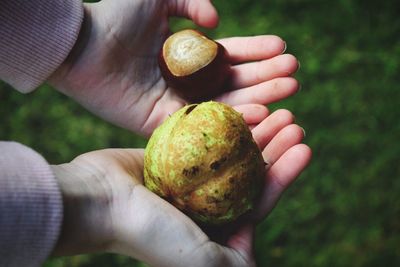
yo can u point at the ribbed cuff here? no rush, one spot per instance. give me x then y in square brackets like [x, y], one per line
[30, 207]
[36, 37]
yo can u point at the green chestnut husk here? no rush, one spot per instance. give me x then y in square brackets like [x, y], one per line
[204, 160]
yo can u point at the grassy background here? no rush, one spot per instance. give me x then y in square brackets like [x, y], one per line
[345, 209]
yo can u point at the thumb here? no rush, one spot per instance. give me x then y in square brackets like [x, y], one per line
[201, 12]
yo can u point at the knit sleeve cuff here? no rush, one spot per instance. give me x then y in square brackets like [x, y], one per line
[36, 37]
[30, 207]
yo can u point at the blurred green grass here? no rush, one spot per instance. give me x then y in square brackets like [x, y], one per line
[345, 208]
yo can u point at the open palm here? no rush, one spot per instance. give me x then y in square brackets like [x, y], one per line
[113, 70]
[107, 208]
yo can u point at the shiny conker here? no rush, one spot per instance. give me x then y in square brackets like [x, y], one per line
[195, 66]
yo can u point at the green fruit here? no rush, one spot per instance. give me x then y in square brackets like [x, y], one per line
[203, 160]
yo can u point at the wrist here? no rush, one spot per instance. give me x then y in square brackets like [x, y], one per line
[59, 79]
[86, 225]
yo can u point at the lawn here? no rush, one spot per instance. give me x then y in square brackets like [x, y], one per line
[344, 210]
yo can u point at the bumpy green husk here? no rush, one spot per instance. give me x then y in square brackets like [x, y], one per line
[204, 160]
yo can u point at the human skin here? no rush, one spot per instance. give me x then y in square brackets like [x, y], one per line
[113, 71]
[107, 208]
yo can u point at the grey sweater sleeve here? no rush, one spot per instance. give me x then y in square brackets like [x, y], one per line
[30, 207]
[35, 38]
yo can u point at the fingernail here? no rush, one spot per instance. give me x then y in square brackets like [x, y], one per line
[304, 131]
[299, 88]
[284, 47]
[298, 65]
[267, 165]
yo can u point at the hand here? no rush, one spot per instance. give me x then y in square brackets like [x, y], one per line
[107, 208]
[113, 69]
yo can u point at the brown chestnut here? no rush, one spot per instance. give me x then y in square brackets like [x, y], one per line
[196, 67]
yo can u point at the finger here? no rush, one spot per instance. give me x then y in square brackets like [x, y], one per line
[202, 12]
[252, 113]
[281, 174]
[252, 126]
[263, 93]
[253, 73]
[245, 49]
[289, 136]
[268, 128]
[242, 240]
